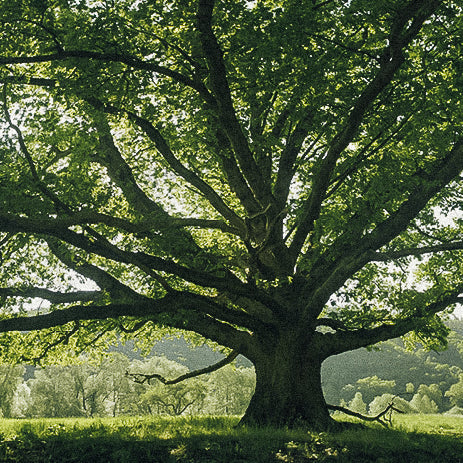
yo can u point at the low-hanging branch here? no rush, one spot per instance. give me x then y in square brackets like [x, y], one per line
[142, 378]
[390, 408]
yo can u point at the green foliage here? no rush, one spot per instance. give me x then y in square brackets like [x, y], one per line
[176, 399]
[455, 393]
[357, 404]
[230, 390]
[235, 170]
[424, 404]
[11, 377]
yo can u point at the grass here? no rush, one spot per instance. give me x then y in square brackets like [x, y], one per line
[412, 438]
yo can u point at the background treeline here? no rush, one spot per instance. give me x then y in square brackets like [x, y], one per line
[422, 381]
[105, 390]
[365, 381]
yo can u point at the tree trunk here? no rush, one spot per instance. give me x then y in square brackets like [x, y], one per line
[288, 389]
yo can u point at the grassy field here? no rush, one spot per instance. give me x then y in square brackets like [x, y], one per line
[412, 438]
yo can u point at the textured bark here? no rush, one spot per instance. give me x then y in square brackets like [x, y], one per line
[288, 388]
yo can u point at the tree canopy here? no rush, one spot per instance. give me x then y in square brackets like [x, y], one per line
[271, 175]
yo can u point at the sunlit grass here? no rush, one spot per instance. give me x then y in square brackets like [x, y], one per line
[433, 424]
[412, 438]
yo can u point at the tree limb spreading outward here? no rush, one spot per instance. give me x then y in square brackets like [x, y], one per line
[379, 417]
[146, 378]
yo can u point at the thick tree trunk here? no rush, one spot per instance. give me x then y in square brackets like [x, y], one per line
[288, 389]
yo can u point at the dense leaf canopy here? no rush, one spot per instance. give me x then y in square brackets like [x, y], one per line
[236, 169]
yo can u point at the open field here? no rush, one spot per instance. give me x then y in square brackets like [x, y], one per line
[413, 438]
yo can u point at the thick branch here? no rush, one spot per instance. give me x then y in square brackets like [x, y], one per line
[90, 217]
[229, 282]
[288, 157]
[120, 172]
[390, 408]
[225, 109]
[184, 308]
[53, 296]
[131, 61]
[103, 279]
[391, 61]
[75, 313]
[193, 179]
[331, 323]
[343, 341]
[142, 378]
[430, 183]
[348, 259]
[392, 255]
[28, 80]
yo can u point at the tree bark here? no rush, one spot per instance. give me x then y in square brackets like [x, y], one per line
[288, 388]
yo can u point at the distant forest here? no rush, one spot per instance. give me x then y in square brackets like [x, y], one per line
[364, 380]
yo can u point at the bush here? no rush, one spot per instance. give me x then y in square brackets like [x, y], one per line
[454, 411]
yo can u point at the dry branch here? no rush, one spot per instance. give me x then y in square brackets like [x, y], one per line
[389, 409]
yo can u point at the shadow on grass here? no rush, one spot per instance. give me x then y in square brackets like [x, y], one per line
[102, 443]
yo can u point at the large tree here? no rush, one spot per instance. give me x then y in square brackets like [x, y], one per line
[268, 174]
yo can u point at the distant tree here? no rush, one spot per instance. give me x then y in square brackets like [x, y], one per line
[422, 403]
[120, 391]
[370, 387]
[229, 390]
[11, 377]
[409, 388]
[21, 401]
[380, 403]
[357, 404]
[53, 393]
[174, 400]
[159, 398]
[434, 392]
[74, 390]
[455, 393]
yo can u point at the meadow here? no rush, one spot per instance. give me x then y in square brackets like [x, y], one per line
[412, 438]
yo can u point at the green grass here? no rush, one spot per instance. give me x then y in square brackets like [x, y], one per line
[412, 438]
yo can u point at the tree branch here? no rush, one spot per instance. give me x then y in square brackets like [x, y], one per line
[344, 260]
[228, 283]
[332, 323]
[90, 217]
[120, 172]
[75, 313]
[164, 149]
[116, 289]
[142, 378]
[430, 183]
[343, 341]
[59, 205]
[392, 255]
[225, 109]
[390, 408]
[26, 80]
[191, 308]
[288, 157]
[391, 60]
[55, 297]
[131, 61]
